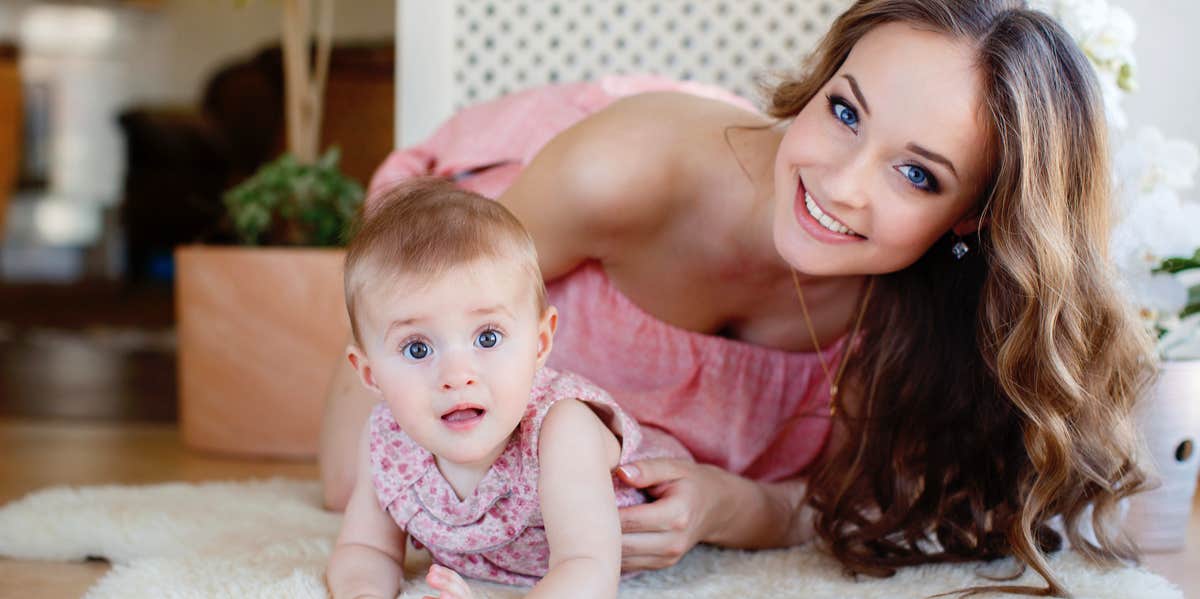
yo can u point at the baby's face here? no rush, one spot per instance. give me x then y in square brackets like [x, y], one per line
[454, 356]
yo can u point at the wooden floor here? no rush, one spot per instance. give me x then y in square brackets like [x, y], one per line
[38, 454]
[88, 351]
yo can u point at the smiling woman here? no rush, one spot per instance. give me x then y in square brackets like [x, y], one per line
[938, 173]
[1000, 92]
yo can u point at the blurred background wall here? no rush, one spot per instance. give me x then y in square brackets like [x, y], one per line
[1167, 48]
[176, 44]
[84, 65]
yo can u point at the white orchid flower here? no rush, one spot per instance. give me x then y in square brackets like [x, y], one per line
[1182, 342]
[1154, 220]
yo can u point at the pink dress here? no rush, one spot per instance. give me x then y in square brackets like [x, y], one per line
[496, 533]
[752, 410]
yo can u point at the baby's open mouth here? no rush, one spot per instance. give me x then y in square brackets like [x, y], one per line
[462, 414]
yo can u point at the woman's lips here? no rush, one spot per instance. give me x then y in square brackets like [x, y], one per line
[810, 225]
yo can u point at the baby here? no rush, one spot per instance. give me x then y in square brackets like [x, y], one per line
[499, 466]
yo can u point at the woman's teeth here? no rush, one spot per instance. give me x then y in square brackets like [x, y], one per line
[825, 220]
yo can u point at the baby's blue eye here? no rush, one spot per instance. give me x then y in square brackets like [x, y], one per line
[488, 339]
[416, 350]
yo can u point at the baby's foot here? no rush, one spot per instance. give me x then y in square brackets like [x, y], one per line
[448, 583]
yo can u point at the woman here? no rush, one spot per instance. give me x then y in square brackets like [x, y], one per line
[934, 186]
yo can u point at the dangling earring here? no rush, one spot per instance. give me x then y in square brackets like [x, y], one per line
[960, 249]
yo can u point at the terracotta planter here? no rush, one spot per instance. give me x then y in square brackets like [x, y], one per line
[1170, 421]
[259, 333]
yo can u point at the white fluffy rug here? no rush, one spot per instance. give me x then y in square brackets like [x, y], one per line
[271, 539]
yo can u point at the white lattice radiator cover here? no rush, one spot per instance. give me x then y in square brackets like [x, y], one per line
[458, 52]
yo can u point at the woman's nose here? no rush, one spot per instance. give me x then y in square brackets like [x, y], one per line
[846, 181]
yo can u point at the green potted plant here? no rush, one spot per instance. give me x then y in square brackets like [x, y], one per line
[290, 203]
[260, 323]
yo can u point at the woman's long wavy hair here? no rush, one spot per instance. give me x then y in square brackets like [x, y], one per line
[997, 391]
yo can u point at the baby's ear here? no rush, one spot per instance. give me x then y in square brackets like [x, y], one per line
[358, 359]
[546, 327]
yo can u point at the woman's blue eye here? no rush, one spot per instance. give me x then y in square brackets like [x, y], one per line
[919, 177]
[488, 339]
[843, 113]
[416, 350]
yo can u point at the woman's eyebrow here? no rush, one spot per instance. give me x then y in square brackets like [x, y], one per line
[934, 156]
[858, 93]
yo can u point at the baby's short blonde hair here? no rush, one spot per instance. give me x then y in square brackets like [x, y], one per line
[424, 227]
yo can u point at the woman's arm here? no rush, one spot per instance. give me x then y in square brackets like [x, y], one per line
[347, 405]
[368, 558]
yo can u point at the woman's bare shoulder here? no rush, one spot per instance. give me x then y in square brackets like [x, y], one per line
[643, 149]
[620, 174]
[681, 104]
[672, 118]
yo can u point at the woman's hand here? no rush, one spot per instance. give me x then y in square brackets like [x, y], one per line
[448, 583]
[687, 497]
[701, 503]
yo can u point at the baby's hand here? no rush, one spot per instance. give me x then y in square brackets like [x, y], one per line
[448, 583]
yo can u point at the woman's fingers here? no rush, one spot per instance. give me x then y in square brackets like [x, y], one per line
[648, 473]
[654, 535]
[645, 517]
[651, 551]
[641, 564]
[664, 515]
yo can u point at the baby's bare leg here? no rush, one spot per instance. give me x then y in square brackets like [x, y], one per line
[347, 405]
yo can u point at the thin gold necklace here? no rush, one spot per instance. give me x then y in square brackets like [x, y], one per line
[833, 379]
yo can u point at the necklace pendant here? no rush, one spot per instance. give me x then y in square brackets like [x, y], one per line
[833, 389]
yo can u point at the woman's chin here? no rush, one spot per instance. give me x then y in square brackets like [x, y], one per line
[812, 258]
[800, 252]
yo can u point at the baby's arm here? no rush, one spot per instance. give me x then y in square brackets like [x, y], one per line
[577, 453]
[368, 558]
